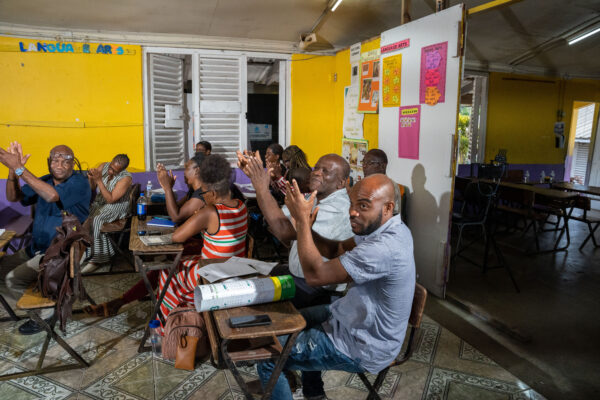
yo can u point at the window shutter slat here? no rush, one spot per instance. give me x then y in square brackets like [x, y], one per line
[166, 87]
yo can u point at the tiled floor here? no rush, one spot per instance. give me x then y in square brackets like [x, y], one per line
[442, 367]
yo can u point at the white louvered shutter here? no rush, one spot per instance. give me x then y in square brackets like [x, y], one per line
[222, 104]
[167, 137]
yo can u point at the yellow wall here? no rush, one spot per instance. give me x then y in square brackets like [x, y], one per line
[318, 103]
[90, 102]
[522, 111]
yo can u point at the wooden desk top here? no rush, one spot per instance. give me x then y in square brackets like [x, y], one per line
[546, 192]
[6, 237]
[137, 247]
[595, 190]
[285, 319]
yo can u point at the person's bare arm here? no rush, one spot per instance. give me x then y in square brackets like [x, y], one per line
[194, 225]
[316, 271]
[14, 160]
[178, 211]
[118, 191]
[280, 225]
[332, 248]
[90, 176]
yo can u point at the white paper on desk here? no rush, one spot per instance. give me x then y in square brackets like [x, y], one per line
[214, 272]
[262, 267]
[2, 231]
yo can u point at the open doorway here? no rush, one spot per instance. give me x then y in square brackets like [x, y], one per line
[579, 158]
[263, 103]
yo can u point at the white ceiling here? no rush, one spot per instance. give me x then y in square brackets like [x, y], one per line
[495, 38]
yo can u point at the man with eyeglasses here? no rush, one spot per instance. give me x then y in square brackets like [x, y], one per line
[375, 162]
[52, 193]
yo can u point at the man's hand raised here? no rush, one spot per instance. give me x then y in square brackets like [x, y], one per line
[300, 208]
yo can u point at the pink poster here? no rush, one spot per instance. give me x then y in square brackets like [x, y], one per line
[433, 74]
[408, 132]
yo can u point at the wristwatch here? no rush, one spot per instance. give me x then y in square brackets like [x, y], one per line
[19, 171]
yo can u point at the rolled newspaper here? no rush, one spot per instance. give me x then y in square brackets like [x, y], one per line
[222, 295]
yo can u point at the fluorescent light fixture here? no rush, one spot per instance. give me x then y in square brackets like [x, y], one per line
[584, 35]
[336, 5]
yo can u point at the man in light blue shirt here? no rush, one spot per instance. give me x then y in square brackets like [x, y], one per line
[364, 330]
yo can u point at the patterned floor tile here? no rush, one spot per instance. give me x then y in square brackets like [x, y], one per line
[213, 388]
[448, 356]
[388, 387]
[131, 321]
[470, 353]
[34, 387]
[426, 347]
[449, 384]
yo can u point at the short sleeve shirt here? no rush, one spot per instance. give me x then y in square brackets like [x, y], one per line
[333, 222]
[369, 323]
[75, 195]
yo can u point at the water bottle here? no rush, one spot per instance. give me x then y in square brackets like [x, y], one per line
[148, 187]
[155, 338]
[526, 176]
[542, 176]
[552, 176]
[142, 205]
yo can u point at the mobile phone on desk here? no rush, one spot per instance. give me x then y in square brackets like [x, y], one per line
[154, 233]
[246, 321]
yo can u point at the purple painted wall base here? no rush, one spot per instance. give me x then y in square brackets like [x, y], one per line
[9, 210]
[535, 170]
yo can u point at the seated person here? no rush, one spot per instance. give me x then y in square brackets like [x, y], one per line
[113, 182]
[182, 210]
[203, 147]
[375, 162]
[179, 212]
[223, 224]
[328, 179]
[364, 330]
[292, 158]
[60, 190]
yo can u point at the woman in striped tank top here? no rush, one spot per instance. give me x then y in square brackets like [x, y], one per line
[223, 224]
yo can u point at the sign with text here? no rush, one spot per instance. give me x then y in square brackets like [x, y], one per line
[396, 46]
[408, 132]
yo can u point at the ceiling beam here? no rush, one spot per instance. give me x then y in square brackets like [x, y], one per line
[490, 5]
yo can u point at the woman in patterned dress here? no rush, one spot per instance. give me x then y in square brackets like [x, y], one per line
[113, 182]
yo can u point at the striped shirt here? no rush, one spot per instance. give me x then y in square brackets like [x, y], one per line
[230, 239]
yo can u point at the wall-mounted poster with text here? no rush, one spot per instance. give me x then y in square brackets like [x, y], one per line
[408, 132]
[392, 68]
[369, 82]
[433, 74]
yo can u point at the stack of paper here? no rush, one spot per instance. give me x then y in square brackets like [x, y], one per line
[235, 266]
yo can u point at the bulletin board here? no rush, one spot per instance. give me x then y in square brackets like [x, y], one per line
[429, 86]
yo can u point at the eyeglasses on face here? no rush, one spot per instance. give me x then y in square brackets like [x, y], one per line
[57, 156]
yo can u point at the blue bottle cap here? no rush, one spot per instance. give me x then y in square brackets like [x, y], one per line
[154, 323]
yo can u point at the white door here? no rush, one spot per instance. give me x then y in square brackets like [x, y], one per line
[220, 102]
[430, 177]
[167, 137]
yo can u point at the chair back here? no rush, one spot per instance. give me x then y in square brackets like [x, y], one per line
[418, 306]
[478, 197]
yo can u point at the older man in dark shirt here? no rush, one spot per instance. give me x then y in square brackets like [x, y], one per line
[52, 193]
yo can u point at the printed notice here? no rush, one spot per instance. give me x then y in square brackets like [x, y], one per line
[392, 68]
[433, 74]
[408, 132]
